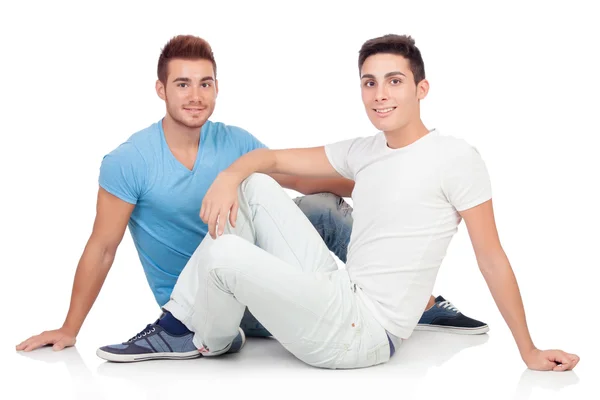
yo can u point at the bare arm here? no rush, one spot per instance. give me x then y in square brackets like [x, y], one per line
[220, 200]
[339, 186]
[112, 215]
[499, 276]
[308, 163]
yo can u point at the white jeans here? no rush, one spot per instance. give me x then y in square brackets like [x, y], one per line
[275, 263]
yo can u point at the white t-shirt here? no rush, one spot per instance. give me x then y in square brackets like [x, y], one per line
[406, 204]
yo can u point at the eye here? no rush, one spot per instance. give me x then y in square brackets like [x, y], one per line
[206, 84]
[369, 83]
[182, 84]
[396, 81]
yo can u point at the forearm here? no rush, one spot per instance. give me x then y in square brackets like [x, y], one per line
[338, 186]
[89, 277]
[502, 283]
[261, 160]
[307, 163]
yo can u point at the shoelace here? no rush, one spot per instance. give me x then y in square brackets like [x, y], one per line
[448, 306]
[147, 330]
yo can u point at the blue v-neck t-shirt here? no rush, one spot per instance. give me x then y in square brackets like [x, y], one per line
[165, 224]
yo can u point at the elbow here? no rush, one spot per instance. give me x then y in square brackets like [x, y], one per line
[492, 261]
[102, 250]
[109, 253]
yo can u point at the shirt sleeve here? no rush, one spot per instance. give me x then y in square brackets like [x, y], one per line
[245, 140]
[466, 181]
[123, 173]
[338, 154]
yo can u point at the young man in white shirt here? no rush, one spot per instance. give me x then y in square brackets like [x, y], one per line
[413, 186]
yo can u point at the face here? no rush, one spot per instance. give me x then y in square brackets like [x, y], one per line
[389, 93]
[190, 92]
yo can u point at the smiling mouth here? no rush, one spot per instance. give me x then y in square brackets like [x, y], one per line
[384, 110]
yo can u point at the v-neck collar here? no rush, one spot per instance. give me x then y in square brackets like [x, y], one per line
[198, 153]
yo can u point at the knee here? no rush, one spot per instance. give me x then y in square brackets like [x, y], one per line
[259, 182]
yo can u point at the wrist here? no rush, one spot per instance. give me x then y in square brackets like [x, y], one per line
[527, 351]
[233, 176]
[70, 329]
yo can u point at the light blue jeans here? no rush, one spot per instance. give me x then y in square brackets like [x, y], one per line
[331, 216]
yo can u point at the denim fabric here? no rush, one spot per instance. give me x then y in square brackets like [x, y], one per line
[331, 216]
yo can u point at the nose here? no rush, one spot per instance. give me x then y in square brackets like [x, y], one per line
[381, 94]
[195, 94]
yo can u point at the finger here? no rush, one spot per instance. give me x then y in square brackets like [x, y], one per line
[212, 222]
[59, 345]
[562, 359]
[574, 357]
[233, 215]
[36, 344]
[24, 343]
[30, 346]
[202, 208]
[562, 367]
[205, 213]
[223, 221]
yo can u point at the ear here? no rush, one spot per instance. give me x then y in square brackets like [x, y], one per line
[422, 89]
[160, 90]
[216, 87]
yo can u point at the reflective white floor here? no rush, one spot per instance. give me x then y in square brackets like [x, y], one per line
[428, 366]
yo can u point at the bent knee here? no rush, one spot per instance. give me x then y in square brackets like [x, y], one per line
[259, 180]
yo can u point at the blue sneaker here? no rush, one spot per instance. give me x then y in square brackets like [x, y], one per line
[154, 343]
[443, 316]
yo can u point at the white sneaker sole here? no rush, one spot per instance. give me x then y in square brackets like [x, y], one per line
[146, 357]
[451, 329]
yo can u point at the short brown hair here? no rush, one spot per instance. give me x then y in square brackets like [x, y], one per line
[185, 47]
[394, 44]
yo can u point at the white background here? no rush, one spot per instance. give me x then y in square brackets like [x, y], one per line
[520, 82]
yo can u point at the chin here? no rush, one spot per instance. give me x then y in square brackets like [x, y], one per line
[382, 126]
[192, 123]
[195, 124]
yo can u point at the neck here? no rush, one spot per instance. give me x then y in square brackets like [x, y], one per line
[179, 136]
[406, 135]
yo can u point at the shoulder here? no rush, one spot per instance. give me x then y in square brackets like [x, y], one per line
[452, 149]
[357, 144]
[232, 136]
[224, 130]
[137, 147]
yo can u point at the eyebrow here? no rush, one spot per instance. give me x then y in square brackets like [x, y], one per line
[181, 79]
[370, 76]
